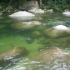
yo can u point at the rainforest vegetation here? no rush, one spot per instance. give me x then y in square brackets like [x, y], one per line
[56, 5]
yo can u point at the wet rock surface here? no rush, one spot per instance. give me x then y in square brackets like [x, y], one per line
[7, 56]
[22, 15]
[2, 26]
[51, 59]
[26, 25]
[57, 31]
[66, 13]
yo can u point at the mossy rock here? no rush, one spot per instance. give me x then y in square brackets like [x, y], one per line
[36, 34]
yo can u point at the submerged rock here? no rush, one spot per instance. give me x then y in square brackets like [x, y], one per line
[26, 25]
[22, 15]
[51, 59]
[57, 31]
[36, 34]
[10, 54]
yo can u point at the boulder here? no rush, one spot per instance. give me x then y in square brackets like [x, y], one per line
[8, 55]
[48, 11]
[66, 13]
[26, 25]
[22, 15]
[37, 11]
[50, 59]
[57, 31]
[36, 34]
[2, 26]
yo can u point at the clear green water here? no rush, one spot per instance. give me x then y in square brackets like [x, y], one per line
[10, 37]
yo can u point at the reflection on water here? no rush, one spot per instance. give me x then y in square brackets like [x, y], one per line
[34, 41]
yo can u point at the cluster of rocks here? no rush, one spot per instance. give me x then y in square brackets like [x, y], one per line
[45, 57]
[54, 32]
[50, 59]
[30, 6]
[55, 56]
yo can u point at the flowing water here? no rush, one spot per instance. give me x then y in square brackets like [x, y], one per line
[11, 37]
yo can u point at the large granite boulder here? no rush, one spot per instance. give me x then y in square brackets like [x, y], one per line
[26, 25]
[22, 15]
[8, 55]
[57, 31]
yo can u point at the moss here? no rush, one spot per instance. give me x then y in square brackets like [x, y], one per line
[36, 34]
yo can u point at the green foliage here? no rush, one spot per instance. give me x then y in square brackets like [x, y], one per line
[13, 3]
[42, 6]
[57, 5]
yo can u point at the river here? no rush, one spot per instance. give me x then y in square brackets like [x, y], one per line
[11, 37]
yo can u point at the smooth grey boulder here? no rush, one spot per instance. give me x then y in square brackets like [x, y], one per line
[22, 15]
[57, 31]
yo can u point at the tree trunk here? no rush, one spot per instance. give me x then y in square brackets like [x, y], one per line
[39, 2]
